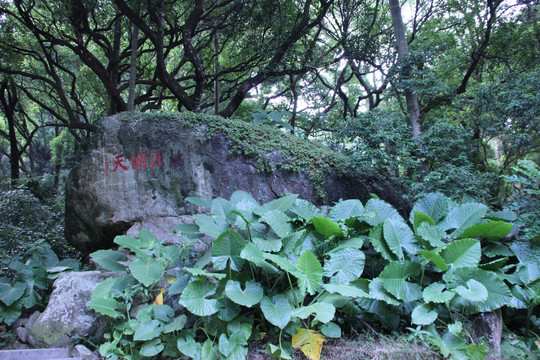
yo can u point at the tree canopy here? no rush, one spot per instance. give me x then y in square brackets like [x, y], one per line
[341, 71]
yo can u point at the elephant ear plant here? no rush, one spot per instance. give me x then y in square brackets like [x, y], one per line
[293, 275]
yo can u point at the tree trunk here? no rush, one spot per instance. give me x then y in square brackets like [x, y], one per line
[403, 52]
[8, 101]
[113, 65]
[133, 68]
[216, 72]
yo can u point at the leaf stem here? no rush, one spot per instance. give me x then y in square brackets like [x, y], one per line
[292, 289]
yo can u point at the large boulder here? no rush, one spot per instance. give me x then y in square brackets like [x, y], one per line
[143, 166]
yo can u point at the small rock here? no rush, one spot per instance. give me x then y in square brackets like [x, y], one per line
[17, 345]
[84, 353]
[31, 341]
[22, 334]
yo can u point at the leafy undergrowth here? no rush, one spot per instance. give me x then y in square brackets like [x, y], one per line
[298, 277]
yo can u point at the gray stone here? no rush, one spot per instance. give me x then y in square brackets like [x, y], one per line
[143, 166]
[34, 354]
[84, 353]
[66, 314]
[22, 334]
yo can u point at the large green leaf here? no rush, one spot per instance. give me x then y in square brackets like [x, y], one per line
[473, 291]
[378, 292]
[431, 233]
[344, 266]
[148, 330]
[394, 279]
[268, 244]
[283, 263]
[419, 218]
[9, 294]
[243, 201]
[434, 258]
[9, 314]
[202, 202]
[282, 204]
[209, 351]
[189, 347]
[277, 310]
[176, 324]
[324, 312]
[196, 298]
[201, 272]
[253, 254]
[346, 290]
[221, 209]
[498, 296]
[228, 310]
[399, 236]
[346, 209]
[227, 249]
[422, 314]
[133, 244]
[434, 205]
[462, 253]
[108, 259]
[292, 243]
[305, 209]
[311, 268]
[462, 217]
[233, 347]
[278, 221]
[249, 296]
[435, 293]
[112, 287]
[491, 230]
[208, 225]
[106, 306]
[379, 244]
[381, 211]
[152, 348]
[148, 271]
[326, 227]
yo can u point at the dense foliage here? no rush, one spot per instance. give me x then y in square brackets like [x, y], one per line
[292, 274]
[326, 69]
[439, 96]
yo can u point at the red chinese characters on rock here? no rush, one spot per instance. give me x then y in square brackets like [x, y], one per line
[140, 161]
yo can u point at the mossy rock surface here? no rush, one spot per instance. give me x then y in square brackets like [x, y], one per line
[143, 166]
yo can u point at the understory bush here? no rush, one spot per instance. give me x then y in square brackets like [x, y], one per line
[292, 275]
[27, 221]
[25, 284]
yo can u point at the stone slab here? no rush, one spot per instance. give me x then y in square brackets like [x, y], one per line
[36, 354]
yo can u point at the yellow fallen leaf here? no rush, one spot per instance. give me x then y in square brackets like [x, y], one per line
[159, 297]
[309, 341]
[261, 335]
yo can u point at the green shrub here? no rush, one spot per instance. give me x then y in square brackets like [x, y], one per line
[27, 281]
[27, 221]
[526, 198]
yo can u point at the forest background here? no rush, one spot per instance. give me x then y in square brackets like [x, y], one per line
[437, 95]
